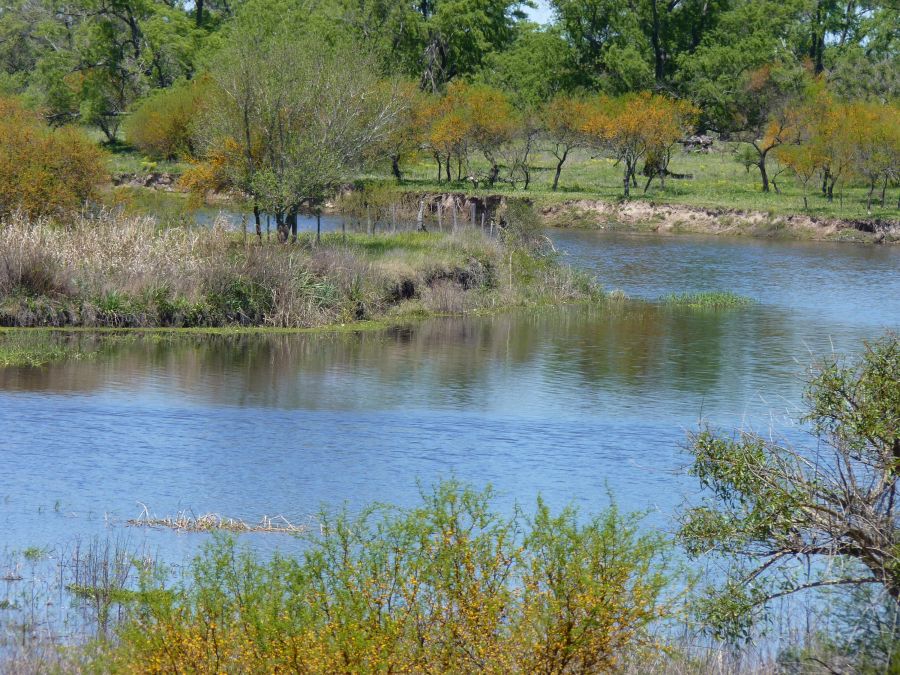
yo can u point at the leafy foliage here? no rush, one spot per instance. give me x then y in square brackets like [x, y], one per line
[44, 171]
[163, 125]
[771, 505]
[449, 585]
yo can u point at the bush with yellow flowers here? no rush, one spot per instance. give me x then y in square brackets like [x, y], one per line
[447, 586]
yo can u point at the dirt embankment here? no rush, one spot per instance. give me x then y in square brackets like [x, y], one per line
[674, 218]
[645, 216]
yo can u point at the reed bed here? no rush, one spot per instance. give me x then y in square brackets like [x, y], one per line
[186, 521]
[708, 300]
[114, 270]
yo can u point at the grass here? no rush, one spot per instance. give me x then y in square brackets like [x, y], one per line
[119, 271]
[719, 181]
[707, 300]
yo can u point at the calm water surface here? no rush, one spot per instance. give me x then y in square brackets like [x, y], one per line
[572, 403]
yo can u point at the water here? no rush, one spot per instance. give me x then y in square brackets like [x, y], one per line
[575, 403]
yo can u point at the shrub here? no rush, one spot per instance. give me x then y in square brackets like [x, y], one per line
[44, 171]
[162, 126]
[447, 586]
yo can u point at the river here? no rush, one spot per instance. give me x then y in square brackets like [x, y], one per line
[576, 404]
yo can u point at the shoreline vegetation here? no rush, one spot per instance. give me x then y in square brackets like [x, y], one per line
[115, 271]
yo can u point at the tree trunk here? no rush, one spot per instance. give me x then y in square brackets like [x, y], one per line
[318, 226]
[293, 221]
[447, 167]
[658, 56]
[495, 172]
[440, 167]
[559, 166]
[280, 226]
[257, 221]
[627, 182]
[199, 4]
[763, 174]
[395, 168]
[420, 217]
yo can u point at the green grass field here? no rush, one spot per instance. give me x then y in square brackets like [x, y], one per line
[719, 181]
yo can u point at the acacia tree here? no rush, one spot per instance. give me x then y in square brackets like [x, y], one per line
[447, 133]
[411, 129]
[564, 118]
[763, 121]
[294, 121]
[634, 127]
[772, 507]
[493, 122]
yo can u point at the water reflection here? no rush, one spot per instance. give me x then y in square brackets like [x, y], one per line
[565, 402]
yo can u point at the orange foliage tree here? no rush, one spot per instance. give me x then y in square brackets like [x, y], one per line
[44, 171]
[470, 117]
[412, 126]
[564, 118]
[635, 127]
[837, 139]
[875, 144]
[446, 133]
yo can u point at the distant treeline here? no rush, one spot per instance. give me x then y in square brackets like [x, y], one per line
[285, 102]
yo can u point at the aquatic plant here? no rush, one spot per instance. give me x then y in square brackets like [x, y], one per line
[119, 271]
[707, 300]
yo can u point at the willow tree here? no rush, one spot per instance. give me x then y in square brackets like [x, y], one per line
[294, 119]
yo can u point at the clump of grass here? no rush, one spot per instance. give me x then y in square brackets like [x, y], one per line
[125, 272]
[36, 348]
[184, 521]
[707, 300]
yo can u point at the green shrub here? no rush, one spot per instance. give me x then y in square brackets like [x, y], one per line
[447, 586]
[162, 126]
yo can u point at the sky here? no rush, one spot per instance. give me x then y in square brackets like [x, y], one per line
[542, 13]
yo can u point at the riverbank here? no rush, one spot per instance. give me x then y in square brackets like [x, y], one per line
[124, 272]
[647, 216]
[562, 210]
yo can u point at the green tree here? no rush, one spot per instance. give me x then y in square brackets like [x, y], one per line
[434, 41]
[292, 120]
[771, 507]
[539, 65]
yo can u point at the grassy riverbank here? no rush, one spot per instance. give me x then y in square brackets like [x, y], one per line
[125, 272]
[714, 180]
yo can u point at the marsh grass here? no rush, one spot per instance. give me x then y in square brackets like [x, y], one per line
[121, 271]
[707, 300]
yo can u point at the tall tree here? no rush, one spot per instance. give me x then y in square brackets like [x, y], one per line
[294, 120]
